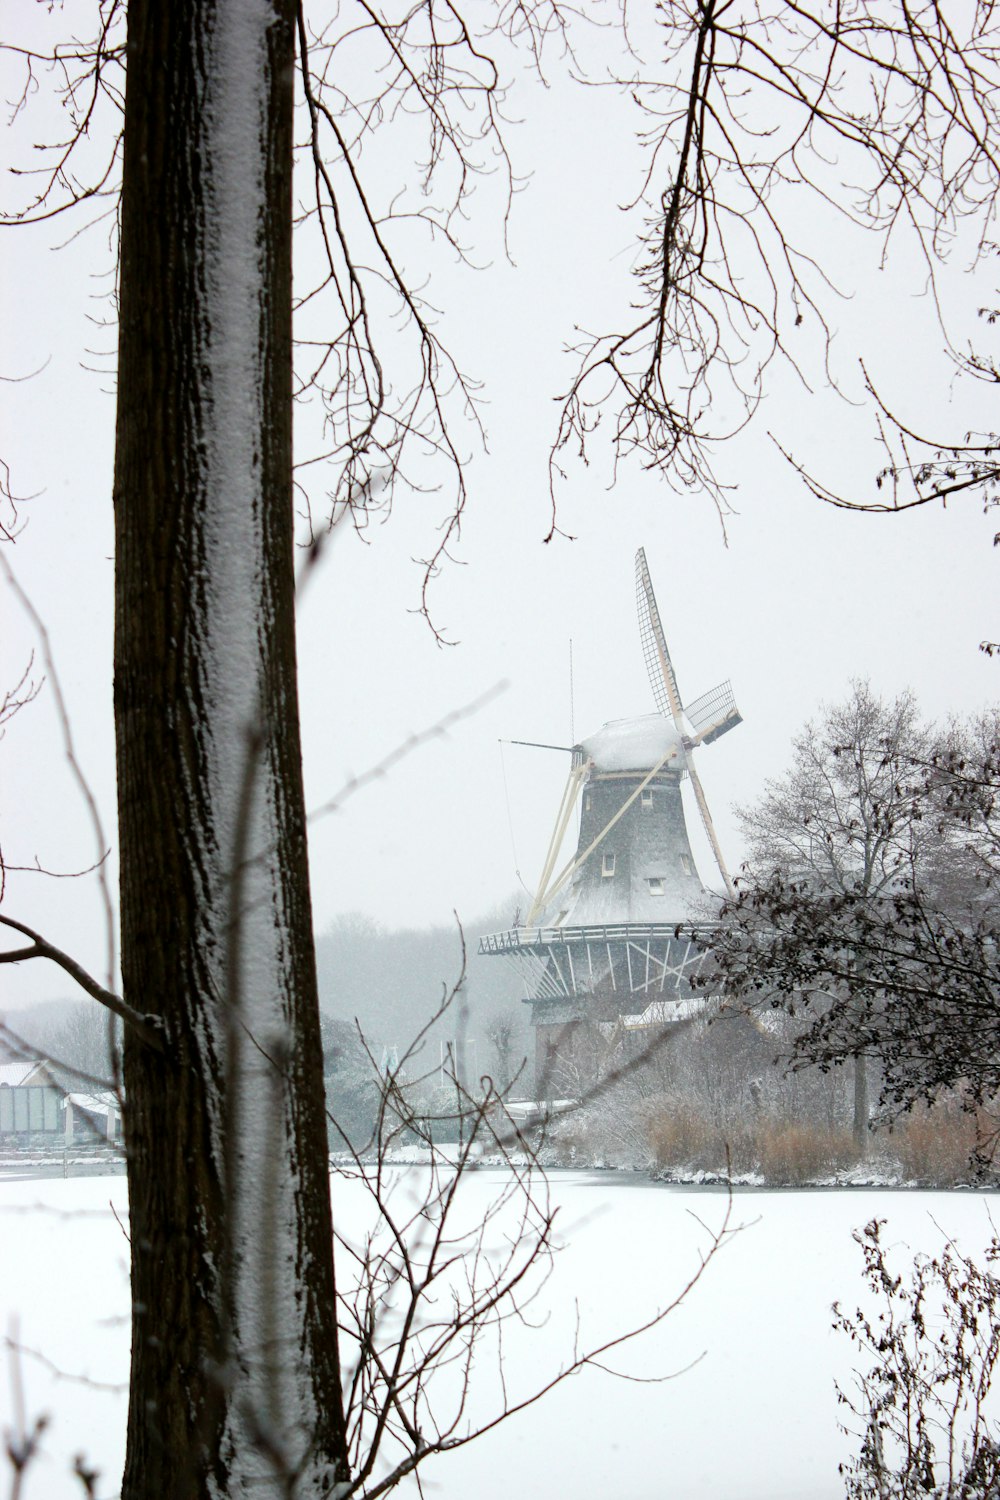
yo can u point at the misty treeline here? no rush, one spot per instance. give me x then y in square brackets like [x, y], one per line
[389, 981]
[71, 1035]
[380, 988]
[419, 1010]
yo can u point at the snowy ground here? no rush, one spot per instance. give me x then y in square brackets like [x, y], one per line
[754, 1419]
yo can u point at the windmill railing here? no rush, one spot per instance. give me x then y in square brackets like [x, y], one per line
[517, 939]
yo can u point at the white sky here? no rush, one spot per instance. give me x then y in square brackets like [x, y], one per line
[802, 598]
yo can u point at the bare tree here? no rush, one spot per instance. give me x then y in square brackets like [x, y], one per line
[904, 968]
[840, 831]
[236, 1379]
[237, 1329]
[503, 1034]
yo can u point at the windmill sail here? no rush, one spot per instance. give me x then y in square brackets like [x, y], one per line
[713, 714]
[709, 827]
[709, 716]
[666, 694]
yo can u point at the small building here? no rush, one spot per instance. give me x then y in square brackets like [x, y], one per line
[38, 1108]
[31, 1101]
[92, 1118]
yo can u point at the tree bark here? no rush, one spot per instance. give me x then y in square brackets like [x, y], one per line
[235, 1372]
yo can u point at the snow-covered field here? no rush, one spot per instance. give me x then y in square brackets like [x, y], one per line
[751, 1415]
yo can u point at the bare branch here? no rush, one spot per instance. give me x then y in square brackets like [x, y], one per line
[85, 789]
[886, 116]
[149, 1028]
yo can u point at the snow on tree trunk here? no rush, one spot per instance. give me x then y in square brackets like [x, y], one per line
[235, 1378]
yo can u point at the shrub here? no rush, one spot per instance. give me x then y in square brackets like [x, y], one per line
[932, 1342]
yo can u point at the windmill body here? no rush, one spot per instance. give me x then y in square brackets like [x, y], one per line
[641, 869]
[608, 943]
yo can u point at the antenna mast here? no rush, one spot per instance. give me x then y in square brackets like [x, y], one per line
[572, 712]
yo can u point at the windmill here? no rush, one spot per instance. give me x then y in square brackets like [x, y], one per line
[604, 942]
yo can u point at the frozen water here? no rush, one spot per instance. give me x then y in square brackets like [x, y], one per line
[750, 1415]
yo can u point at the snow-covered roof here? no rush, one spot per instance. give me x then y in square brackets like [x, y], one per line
[632, 744]
[660, 1012]
[16, 1074]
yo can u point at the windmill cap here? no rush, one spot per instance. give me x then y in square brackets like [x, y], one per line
[632, 744]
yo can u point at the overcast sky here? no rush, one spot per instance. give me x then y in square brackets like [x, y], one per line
[795, 601]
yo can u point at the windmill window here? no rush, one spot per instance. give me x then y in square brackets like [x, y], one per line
[655, 883]
[647, 796]
[586, 802]
[686, 864]
[608, 866]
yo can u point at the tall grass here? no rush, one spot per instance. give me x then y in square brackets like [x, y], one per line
[769, 1140]
[935, 1145]
[782, 1152]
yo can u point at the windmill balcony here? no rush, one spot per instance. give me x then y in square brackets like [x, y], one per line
[613, 967]
[518, 938]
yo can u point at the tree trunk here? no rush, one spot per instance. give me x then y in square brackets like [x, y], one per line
[235, 1370]
[861, 1108]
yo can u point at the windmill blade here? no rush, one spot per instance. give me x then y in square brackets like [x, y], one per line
[654, 645]
[716, 710]
[576, 779]
[713, 714]
[706, 818]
